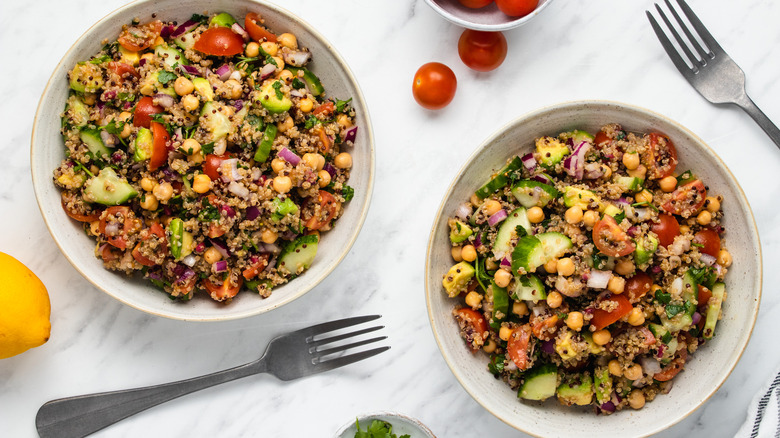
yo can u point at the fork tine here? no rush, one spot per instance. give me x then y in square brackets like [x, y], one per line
[669, 47]
[705, 35]
[346, 360]
[703, 54]
[325, 327]
[321, 342]
[323, 353]
[691, 57]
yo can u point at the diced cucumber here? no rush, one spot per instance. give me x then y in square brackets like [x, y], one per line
[534, 193]
[143, 145]
[529, 288]
[540, 382]
[170, 56]
[76, 112]
[86, 77]
[264, 148]
[681, 321]
[713, 310]
[646, 246]
[214, 119]
[508, 230]
[629, 183]
[108, 189]
[500, 301]
[459, 232]
[204, 88]
[551, 151]
[578, 137]
[555, 244]
[457, 278]
[528, 254]
[312, 81]
[603, 384]
[222, 20]
[272, 98]
[185, 41]
[298, 255]
[500, 180]
[580, 197]
[576, 389]
[91, 138]
[661, 333]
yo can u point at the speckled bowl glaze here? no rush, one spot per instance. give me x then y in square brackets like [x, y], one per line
[488, 18]
[402, 424]
[48, 150]
[709, 366]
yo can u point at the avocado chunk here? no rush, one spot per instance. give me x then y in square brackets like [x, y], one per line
[646, 246]
[576, 389]
[564, 346]
[539, 383]
[273, 98]
[86, 77]
[551, 151]
[91, 138]
[612, 210]
[573, 196]
[108, 189]
[143, 144]
[459, 231]
[457, 278]
[203, 87]
[215, 118]
[222, 20]
[298, 255]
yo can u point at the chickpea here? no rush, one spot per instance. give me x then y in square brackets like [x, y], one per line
[644, 196]
[278, 165]
[270, 48]
[704, 217]
[475, 201]
[504, 333]
[491, 207]
[607, 171]
[490, 346]
[288, 40]
[94, 227]
[89, 98]
[535, 214]
[636, 317]
[614, 368]
[640, 172]
[616, 284]
[502, 277]
[474, 299]
[343, 160]
[551, 267]
[554, 299]
[285, 125]
[252, 49]
[324, 178]
[685, 229]
[520, 308]
[668, 184]
[590, 218]
[602, 337]
[236, 91]
[455, 252]
[286, 76]
[344, 121]
[311, 160]
[624, 266]
[574, 321]
[636, 399]
[201, 183]
[212, 255]
[190, 102]
[655, 288]
[566, 266]
[712, 204]
[148, 184]
[269, 236]
[148, 57]
[574, 215]
[634, 372]
[724, 258]
[191, 146]
[126, 130]
[163, 191]
[124, 116]
[282, 184]
[183, 86]
[469, 253]
[149, 202]
[305, 105]
[279, 63]
[631, 160]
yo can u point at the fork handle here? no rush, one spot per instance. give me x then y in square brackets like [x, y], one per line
[82, 415]
[763, 121]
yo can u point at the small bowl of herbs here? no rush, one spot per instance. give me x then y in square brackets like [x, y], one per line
[384, 425]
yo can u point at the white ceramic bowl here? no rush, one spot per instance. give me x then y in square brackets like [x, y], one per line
[488, 18]
[48, 150]
[709, 366]
[402, 424]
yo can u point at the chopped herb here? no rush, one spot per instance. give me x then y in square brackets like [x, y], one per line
[377, 429]
[619, 217]
[521, 232]
[674, 309]
[114, 127]
[207, 148]
[270, 60]
[199, 18]
[348, 193]
[666, 337]
[685, 177]
[697, 245]
[277, 89]
[255, 121]
[644, 204]
[125, 97]
[496, 364]
[311, 122]
[297, 84]
[165, 76]
[100, 59]
[209, 212]
[663, 297]
[341, 105]
[78, 165]
[600, 260]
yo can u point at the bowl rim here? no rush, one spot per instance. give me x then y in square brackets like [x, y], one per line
[429, 289]
[352, 80]
[519, 21]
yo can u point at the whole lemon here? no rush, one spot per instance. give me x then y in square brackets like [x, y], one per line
[24, 308]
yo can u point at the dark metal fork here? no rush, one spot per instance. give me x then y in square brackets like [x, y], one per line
[289, 356]
[710, 70]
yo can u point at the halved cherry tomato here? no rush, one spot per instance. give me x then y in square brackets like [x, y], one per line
[544, 327]
[122, 69]
[140, 258]
[329, 207]
[637, 286]
[518, 347]
[137, 38]
[601, 137]
[610, 239]
[157, 229]
[108, 253]
[475, 4]
[710, 241]
[326, 108]
[325, 142]
[258, 264]
[216, 231]
[219, 41]
[687, 199]
[472, 325]
[674, 367]
[160, 146]
[144, 110]
[66, 199]
[703, 298]
[667, 228]
[660, 157]
[434, 85]
[257, 31]
[602, 318]
[648, 335]
[122, 216]
[212, 164]
[183, 288]
[228, 289]
[517, 8]
[482, 51]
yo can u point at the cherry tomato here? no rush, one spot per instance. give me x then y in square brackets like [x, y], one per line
[328, 208]
[703, 298]
[108, 253]
[687, 199]
[219, 41]
[140, 258]
[710, 241]
[123, 218]
[212, 164]
[325, 142]
[610, 239]
[256, 30]
[472, 325]
[326, 108]
[66, 199]
[475, 4]
[160, 146]
[482, 51]
[518, 347]
[517, 8]
[602, 318]
[122, 69]
[257, 264]
[601, 137]
[137, 38]
[434, 85]
[667, 228]
[544, 327]
[637, 286]
[183, 288]
[675, 366]
[660, 157]
[228, 289]
[215, 231]
[144, 110]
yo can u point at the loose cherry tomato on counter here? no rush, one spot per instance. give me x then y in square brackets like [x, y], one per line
[660, 157]
[687, 199]
[143, 112]
[256, 30]
[610, 239]
[482, 51]
[709, 241]
[434, 85]
[472, 324]
[667, 228]
[517, 8]
[475, 4]
[139, 37]
[219, 41]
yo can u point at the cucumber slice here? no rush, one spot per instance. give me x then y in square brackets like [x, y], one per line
[661, 333]
[646, 246]
[76, 112]
[529, 288]
[170, 56]
[144, 142]
[534, 193]
[185, 41]
[312, 81]
[269, 97]
[91, 138]
[555, 245]
[108, 189]
[528, 254]
[603, 385]
[540, 383]
[500, 301]
[215, 120]
[298, 255]
[264, 148]
[500, 180]
[578, 137]
[576, 389]
[629, 183]
[508, 228]
[713, 310]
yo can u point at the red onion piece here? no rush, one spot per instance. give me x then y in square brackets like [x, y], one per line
[267, 71]
[110, 140]
[219, 266]
[289, 156]
[112, 229]
[163, 100]
[633, 231]
[166, 31]
[599, 279]
[548, 347]
[184, 28]
[200, 247]
[189, 260]
[228, 170]
[240, 30]
[696, 318]
[463, 211]
[478, 241]
[608, 406]
[238, 105]
[223, 72]
[506, 262]
[350, 134]
[330, 169]
[142, 62]
[192, 70]
[221, 247]
[529, 162]
[542, 179]
[650, 366]
[297, 58]
[497, 217]
[661, 349]
[108, 95]
[183, 273]
[707, 259]
[229, 212]
[252, 213]
[574, 164]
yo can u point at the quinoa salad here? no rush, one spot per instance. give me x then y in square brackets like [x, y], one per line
[205, 156]
[589, 270]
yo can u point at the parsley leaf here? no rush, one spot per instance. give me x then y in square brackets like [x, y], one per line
[521, 232]
[341, 105]
[348, 193]
[496, 364]
[663, 297]
[209, 212]
[311, 122]
[297, 84]
[100, 59]
[199, 18]
[377, 429]
[126, 97]
[674, 309]
[165, 76]
[277, 89]
[207, 148]
[114, 127]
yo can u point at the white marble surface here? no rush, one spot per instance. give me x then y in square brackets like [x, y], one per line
[576, 49]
